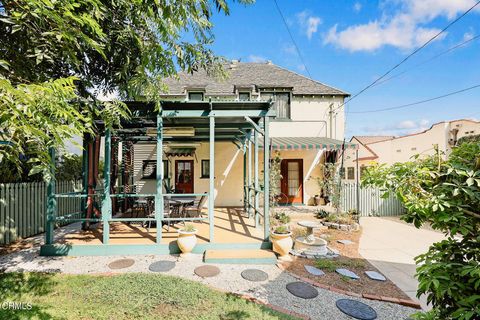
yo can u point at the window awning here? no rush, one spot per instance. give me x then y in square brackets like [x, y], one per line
[180, 152]
[309, 143]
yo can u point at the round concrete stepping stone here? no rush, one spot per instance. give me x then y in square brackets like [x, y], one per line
[313, 270]
[254, 275]
[161, 266]
[356, 309]
[374, 275]
[347, 273]
[302, 290]
[207, 271]
[121, 264]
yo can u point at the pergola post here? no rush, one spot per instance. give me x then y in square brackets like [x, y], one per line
[159, 178]
[84, 176]
[211, 193]
[245, 190]
[249, 180]
[266, 178]
[51, 201]
[107, 201]
[255, 178]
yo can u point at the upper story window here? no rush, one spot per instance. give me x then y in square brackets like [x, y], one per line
[195, 96]
[244, 96]
[281, 104]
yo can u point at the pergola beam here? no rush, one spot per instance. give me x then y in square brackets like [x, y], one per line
[254, 124]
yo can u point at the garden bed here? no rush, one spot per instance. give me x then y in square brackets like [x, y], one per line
[350, 259]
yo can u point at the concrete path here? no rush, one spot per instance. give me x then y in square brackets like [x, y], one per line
[392, 246]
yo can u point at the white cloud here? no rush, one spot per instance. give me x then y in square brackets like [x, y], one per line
[357, 7]
[289, 49]
[468, 35]
[404, 29]
[255, 58]
[308, 22]
[397, 129]
[301, 67]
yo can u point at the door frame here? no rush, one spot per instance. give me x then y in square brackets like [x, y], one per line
[193, 173]
[284, 182]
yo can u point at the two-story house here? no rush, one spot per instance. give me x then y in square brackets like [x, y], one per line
[308, 130]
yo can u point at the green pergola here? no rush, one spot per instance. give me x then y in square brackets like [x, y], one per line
[244, 123]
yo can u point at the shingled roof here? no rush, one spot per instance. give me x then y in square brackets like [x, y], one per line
[249, 75]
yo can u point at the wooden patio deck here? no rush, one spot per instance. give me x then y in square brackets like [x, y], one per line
[231, 226]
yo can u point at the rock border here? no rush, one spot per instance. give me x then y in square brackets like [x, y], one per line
[404, 302]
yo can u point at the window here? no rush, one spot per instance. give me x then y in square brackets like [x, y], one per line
[205, 169]
[281, 103]
[244, 96]
[195, 96]
[149, 169]
[350, 173]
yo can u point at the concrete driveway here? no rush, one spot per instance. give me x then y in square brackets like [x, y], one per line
[391, 247]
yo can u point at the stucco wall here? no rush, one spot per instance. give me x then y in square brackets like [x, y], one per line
[228, 170]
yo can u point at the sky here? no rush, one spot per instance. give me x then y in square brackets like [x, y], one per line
[349, 44]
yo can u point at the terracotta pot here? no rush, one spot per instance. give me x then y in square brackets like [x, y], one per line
[319, 201]
[186, 241]
[282, 244]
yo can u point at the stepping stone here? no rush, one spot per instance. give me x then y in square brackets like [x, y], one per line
[161, 266]
[345, 241]
[302, 290]
[347, 273]
[207, 271]
[356, 309]
[314, 271]
[254, 275]
[121, 264]
[374, 275]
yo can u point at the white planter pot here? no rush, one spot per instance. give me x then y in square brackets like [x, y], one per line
[282, 244]
[186, 241]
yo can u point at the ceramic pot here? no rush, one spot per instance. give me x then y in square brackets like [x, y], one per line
[282, 244]
[186, 241]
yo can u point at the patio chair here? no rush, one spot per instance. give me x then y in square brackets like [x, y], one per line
[166, 213]
[195, 210]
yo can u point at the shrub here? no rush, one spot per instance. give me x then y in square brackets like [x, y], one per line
[321, 214]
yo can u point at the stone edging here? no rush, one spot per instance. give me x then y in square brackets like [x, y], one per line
[404, 302]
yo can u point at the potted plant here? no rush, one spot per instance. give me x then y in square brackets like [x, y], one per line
[319, 200]
[187, 239]
[282, 242]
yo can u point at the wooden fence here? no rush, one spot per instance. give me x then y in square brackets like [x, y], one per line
[23, 206]
[371, 202]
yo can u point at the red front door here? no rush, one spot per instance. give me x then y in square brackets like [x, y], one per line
[184, 176]
[292, 181]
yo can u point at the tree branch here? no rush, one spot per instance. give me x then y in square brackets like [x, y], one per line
[471, 213]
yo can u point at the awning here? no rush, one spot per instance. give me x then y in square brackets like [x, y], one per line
[180, 152]
[309, 143]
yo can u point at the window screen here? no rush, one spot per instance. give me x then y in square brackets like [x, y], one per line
[244, 96]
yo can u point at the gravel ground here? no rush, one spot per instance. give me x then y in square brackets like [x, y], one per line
[272, 291]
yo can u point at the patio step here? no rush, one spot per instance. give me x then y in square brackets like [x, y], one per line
[243, 256]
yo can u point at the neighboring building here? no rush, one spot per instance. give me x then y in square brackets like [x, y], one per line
[389, 149]
[308, 128]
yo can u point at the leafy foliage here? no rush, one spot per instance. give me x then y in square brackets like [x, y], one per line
[275, 179]
[446, 194]
[57, 56]
[69, 168]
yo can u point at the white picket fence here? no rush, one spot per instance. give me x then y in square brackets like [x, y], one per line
[371, 201]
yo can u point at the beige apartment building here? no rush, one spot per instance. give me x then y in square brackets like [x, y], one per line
[390, 149]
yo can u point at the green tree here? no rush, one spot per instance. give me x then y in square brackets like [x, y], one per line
[56, 56]
[445, 194]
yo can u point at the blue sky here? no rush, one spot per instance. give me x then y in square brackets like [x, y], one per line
[347, 44]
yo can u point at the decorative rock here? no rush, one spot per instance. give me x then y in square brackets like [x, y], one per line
[356, 309]
[347, 273]
[374, 275]
[206, 271]
[313, 270]
[345, 241]
[302, 290]
[254, 275]
[161, 266]
[121, 264]
[344, 227]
